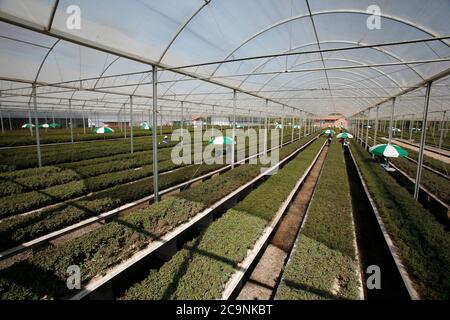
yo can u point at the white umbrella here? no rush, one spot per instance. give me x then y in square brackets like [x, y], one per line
[104, 130]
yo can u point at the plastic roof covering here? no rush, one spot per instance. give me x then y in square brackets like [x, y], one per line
[172, 33]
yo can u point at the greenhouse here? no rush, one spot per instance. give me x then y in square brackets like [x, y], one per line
[224, 150]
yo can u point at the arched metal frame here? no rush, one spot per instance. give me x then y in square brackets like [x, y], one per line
[206, 3]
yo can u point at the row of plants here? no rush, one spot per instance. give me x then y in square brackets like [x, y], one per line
[76, 165]
[61, 176]
[79, 183]
[433, 163]
[43, 275]
[323, 263]
[203, 267]
[23, 158]
[19, 229]
[432, 139]
[436, 184]
[427, 160]
[19, 182]
[423, 243]
[23, 137]
[24, 202]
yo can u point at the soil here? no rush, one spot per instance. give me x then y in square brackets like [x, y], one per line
[265, 277]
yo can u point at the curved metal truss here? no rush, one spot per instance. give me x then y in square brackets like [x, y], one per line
[305, 57]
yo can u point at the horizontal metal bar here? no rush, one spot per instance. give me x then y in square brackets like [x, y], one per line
[287, 54]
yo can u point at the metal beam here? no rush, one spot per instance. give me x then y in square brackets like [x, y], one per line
[376, 126]
[307, 52]
[155, 134]
[71, 120]
[233, 137]
[391, 121]
[95, 45]
[131, 126]
[38, 142]
[29, 119]
[422, 142]
[367, 131]
[84, 124]
[442, 127]
[265, 127]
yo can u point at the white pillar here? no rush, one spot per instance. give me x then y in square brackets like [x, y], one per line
[131, 125]
[1, 115]
[411, 125]
[391, 121]
[1, 120]
[29, 119]
[282, 128]
[265, 126]
[71, 120]
[367, 130]
[181, 122]
[403, 128]
[233, 131]
[260, 119]
[442, 126]
[10, 122]
[82, 114]
[124, 121]
[161, 119]
[154, 133]
[292, 127]
[38, 142]
[422, 142]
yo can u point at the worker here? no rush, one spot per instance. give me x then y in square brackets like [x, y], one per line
[329, 139]
[165, 140]
[345, 143]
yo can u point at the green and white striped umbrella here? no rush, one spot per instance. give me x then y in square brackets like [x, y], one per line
[54, 125]
[45, 126]
[329, 131]
[344, 135]
[220, 140]
[27, 125]
[279, 126]
[239, 126]
[103, 130]
[145, 126]
[296, 126]
[396, 130]
[388, 150]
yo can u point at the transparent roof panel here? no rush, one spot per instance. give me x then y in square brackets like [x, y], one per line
[142, 28]
[36, 12]
[19, 60]
[328, 67]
